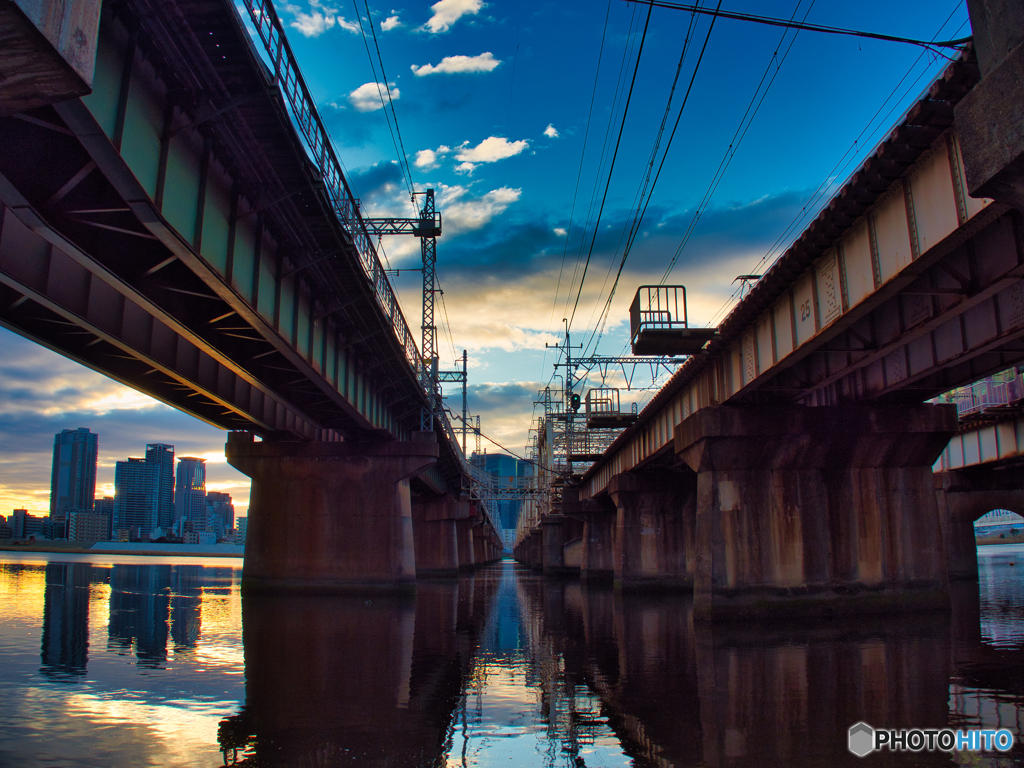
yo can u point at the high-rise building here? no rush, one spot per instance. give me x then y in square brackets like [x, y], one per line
[136, 501]
[88, 526]
[507, 471]
[17, 523]
[105, 506]
[220, 512]
[190, 492]
[162, 456]
[73, 476]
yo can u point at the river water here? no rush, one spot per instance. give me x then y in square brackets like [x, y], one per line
[131, 661]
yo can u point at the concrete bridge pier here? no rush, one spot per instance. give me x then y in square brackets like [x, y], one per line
[557, 530]
[329, 517]
[552, 534]
[988, 118]
[532, 548]
[597, 562]
[435, 533]
[654, 528]
[464, 539]
[964, 495]
[817, 510]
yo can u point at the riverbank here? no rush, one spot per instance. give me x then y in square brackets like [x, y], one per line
[989, 540]
[126, 548]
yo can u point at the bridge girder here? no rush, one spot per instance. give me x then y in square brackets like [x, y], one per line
[104, 181]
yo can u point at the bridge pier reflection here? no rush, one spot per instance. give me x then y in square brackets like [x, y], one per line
[341, 679]
[680, 693]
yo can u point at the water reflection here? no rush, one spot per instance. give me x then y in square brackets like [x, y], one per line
[65, 649]
[143, 664]
[343, 680]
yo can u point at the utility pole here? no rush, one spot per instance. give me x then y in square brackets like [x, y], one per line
[428, 247]
[427, 227]
[571, 401]
[465, 409]
[456, 377]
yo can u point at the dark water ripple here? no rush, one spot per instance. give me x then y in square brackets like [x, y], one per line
[147, 662]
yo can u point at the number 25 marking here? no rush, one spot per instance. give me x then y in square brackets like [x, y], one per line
[805, 310]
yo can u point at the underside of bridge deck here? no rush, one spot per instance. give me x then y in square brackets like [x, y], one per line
[176, 230]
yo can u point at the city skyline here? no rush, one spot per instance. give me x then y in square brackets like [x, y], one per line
[73, 487]
[43, 393]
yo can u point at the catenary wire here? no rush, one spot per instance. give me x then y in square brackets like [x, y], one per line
[620, 87]
[840, 166]
[664, 155]
[928, 44]
[611, 169]
[403, 163]
[737, 139]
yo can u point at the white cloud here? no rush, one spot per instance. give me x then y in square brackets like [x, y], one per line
[371, 96]
[390, 23]
[560, 231]
[319, 19]
[450, 65]
[490, 150]
[551, 132]
[463, 213]
[313, 24]
[427, 158]
[349, 26]
[447, 12]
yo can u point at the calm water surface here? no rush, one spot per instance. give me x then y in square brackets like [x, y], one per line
[130, 661]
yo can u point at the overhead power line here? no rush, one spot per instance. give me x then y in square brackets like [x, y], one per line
[403, 161]
[611, 169]
[579, 173]
[771, 21]
[642, 211]
[811, 205]
[741, 131]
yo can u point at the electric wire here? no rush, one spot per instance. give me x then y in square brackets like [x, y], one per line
[927, 44]
[620, 85]
[838, 169]
[488, 438]
[737, 139]
[579, 173]
[664, 156]
[403, 157]
[611, 169]
[641, 191]
[444, 309]
[627, 53]
[403, 163]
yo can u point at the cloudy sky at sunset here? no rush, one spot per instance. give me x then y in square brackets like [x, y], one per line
[513, 112]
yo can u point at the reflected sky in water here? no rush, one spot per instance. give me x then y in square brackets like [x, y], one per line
[145, 661]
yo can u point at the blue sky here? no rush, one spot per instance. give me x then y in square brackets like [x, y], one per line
[499, 113]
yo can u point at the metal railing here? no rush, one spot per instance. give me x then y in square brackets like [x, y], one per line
[288, 78]
[660, 307]
[1002, 389]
